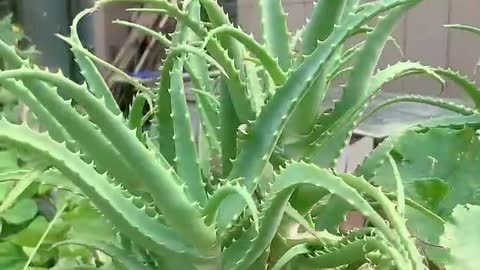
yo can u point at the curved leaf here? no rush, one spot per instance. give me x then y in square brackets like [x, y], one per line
[87, 67]
[117, 254]
[357, 93]
[214, 202]
[467, 85]
[147, 31]
[268, 62]
[120, 210]
[20, 187]
[324, 149]
[397, 221]
[104, 63]
[18, 89]
[236, 85]
[250, 245]
[289, 255]
[167, 193]
[266, 130]
[447, 105]
[467, 28]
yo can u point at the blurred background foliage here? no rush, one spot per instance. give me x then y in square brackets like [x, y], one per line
[38, 205]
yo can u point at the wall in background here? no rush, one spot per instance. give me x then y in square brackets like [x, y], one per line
[42, 19]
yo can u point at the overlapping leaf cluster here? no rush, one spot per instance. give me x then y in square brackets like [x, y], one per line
[439, 164]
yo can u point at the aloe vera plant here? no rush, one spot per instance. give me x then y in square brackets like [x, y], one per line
[258, 191]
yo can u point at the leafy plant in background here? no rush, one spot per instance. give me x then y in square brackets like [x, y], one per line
[259, 191]
[39, 206]
[442, 179]
[11, 34]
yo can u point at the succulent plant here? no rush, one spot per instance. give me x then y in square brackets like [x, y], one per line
[259, 190]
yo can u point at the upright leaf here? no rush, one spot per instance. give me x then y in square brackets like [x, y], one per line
[275, 31]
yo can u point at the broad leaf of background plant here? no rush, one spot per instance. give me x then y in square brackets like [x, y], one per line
[22, 211]
[428, 231]
[87, 224]
[461, 237]
[11, 257]
[432, 160]
[33, 232]
[440, 170]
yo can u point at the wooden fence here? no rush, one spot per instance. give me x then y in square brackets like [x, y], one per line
[420, 34]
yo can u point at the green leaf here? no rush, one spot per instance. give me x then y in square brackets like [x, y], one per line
[23, 94]
[22, 211]
[422, 162]
[290, 254]
[467, 85]
[120, 210]
[427, 231]
[461, 237]
[168, 194]
[116, 253]
[88, 224]
[30, 236]
[88, 69]
[269, 63]
[331, 215]
[8, 161]
[228, 129]
[264, 134]
[54, 178]
[275, 31]
[463, 27]
[433, 191]
[357, 94]
[325, 15]
[10, 33]
[160, 37]
[214, 202]
[136, 115]
[437, 102]
[21, 187]
[186, 159]
[43, 237]
[12, 256]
